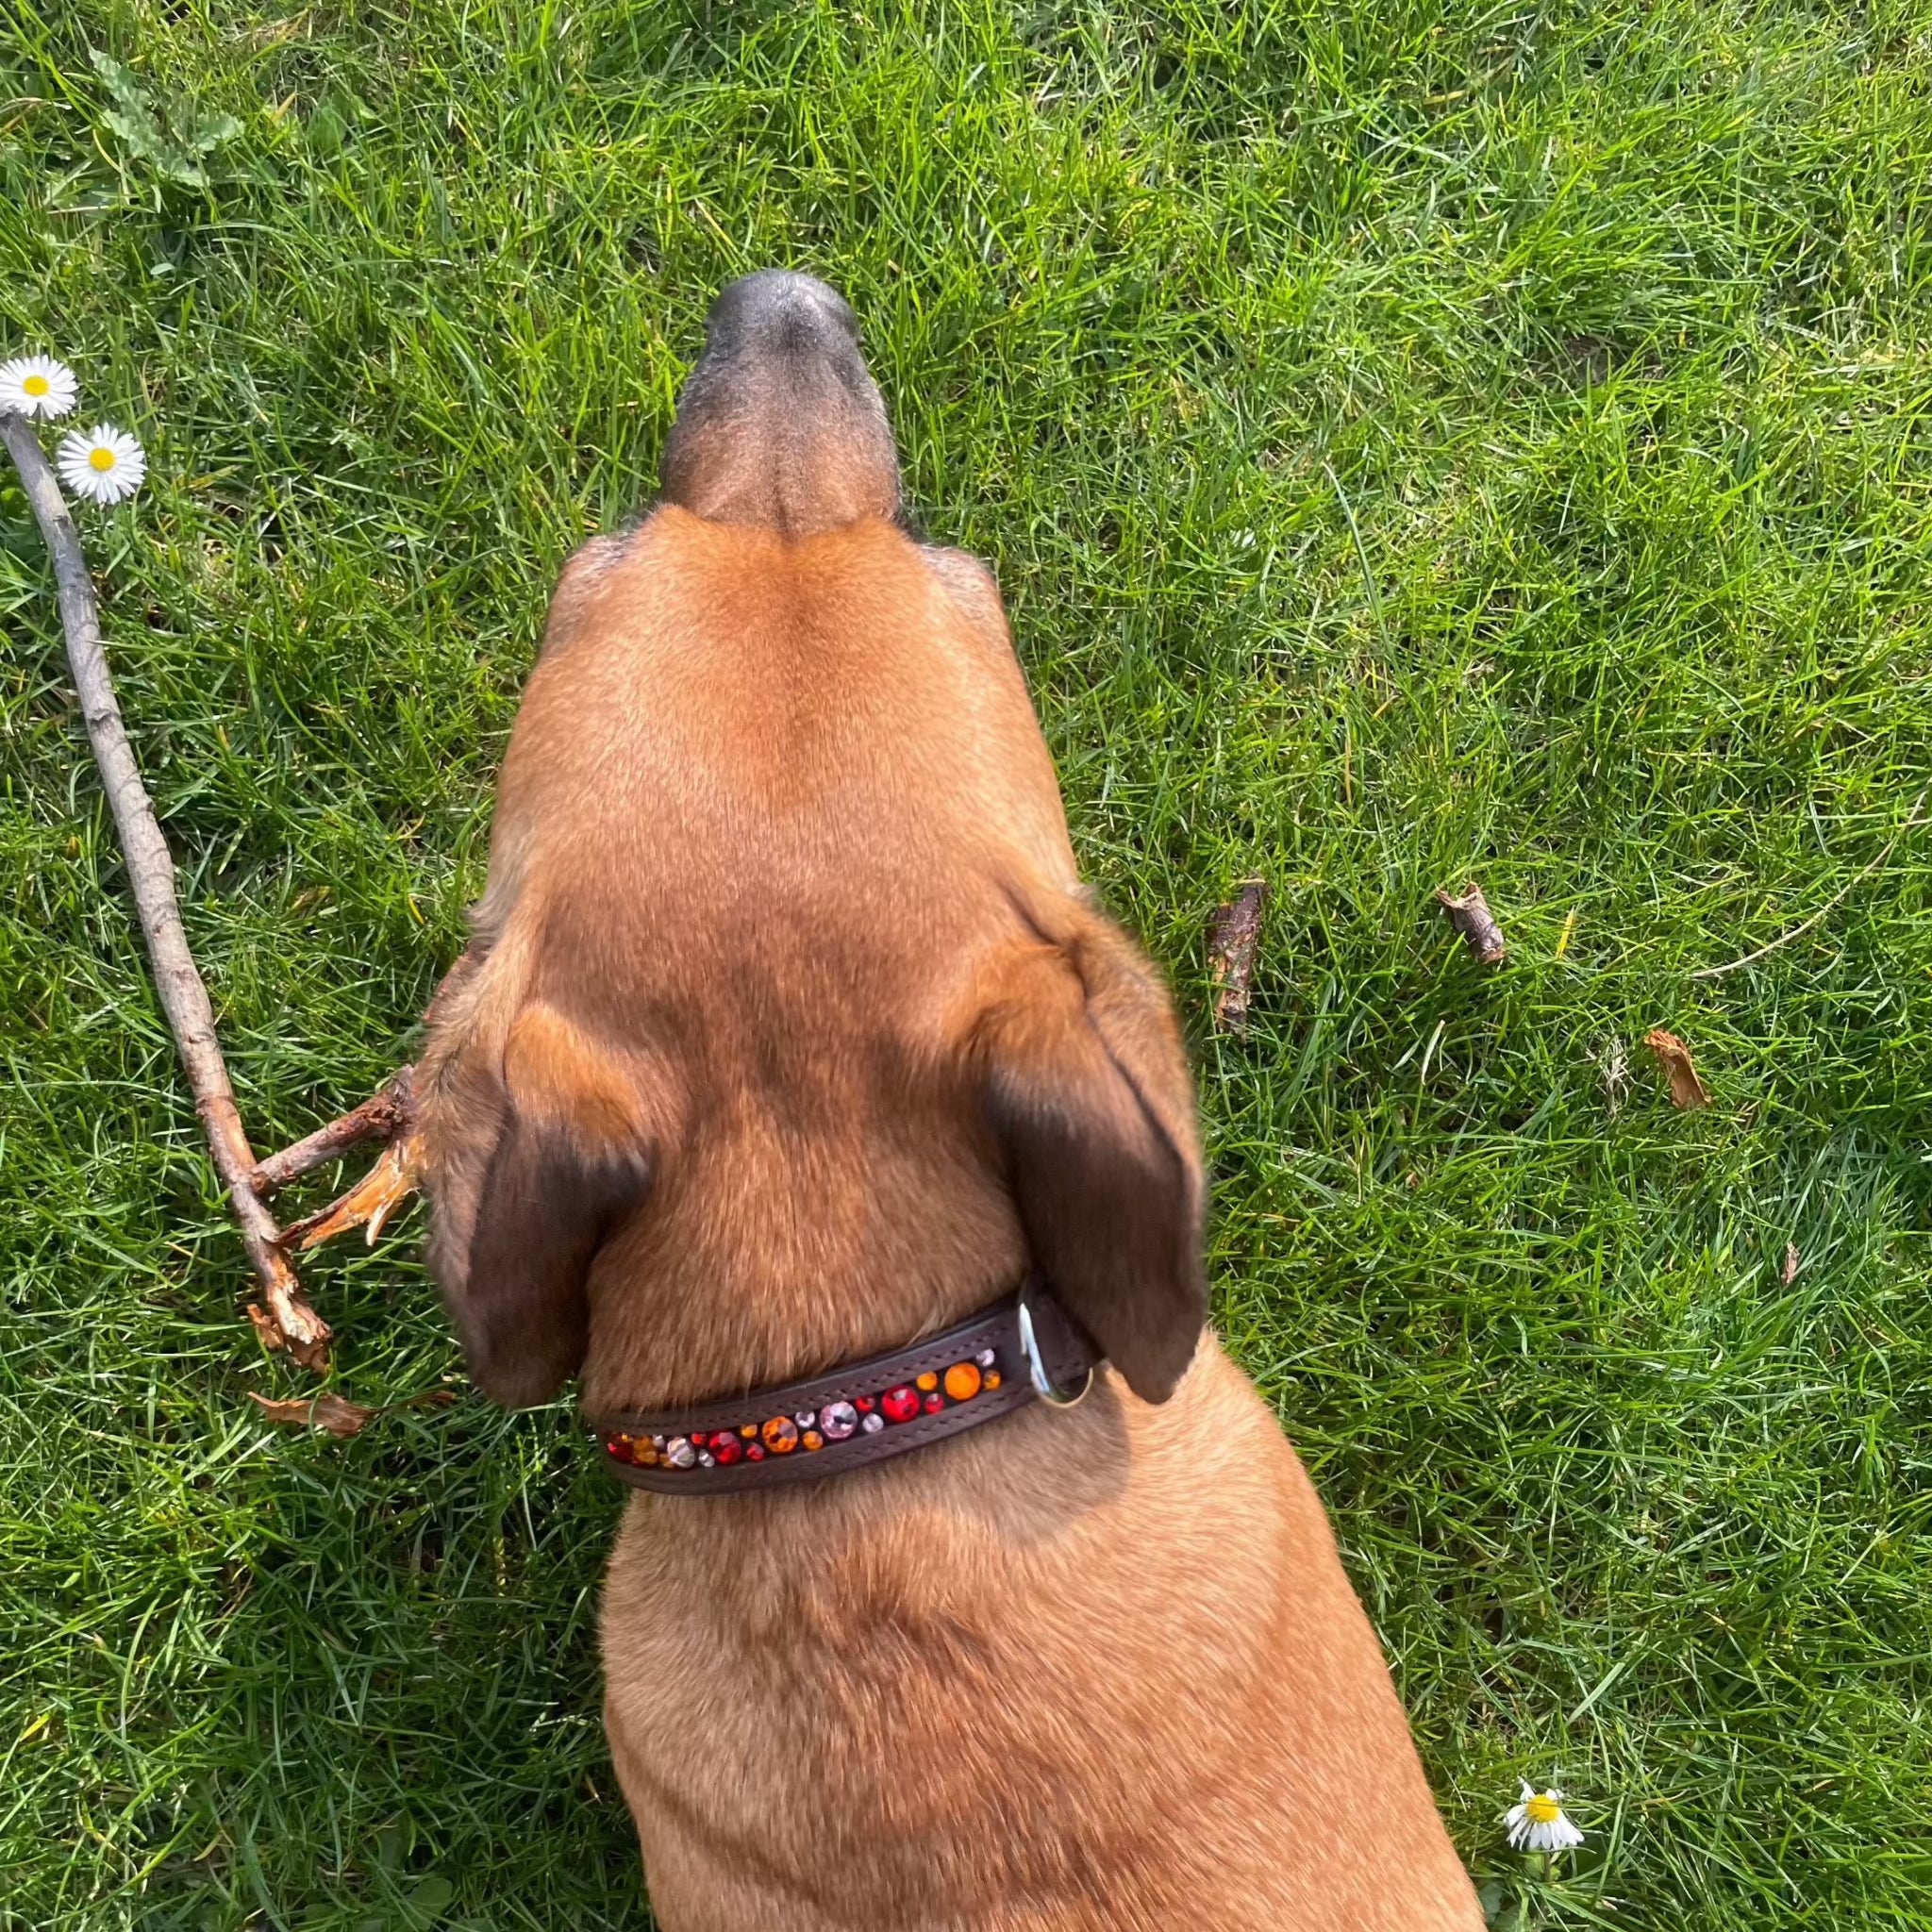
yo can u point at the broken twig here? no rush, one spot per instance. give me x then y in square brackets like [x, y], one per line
[1472, 917]
[381, 1117]
[1234, 941]
[387, 1115]
[151, 875]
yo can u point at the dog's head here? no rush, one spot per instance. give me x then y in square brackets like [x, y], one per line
[791, 1032]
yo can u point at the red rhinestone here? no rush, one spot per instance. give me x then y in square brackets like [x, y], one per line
[900, 1404]
[864, 1405]
[728, 1449]
[754, 1452]
[934, 1403]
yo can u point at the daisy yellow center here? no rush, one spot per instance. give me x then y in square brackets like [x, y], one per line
[1545, 1811]
[103, 460]
[36, 386]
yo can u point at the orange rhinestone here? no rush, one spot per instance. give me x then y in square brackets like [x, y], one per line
[992, 1380]
[781, 1435]
[749, 1430]
[962, 1381]
[646, 1457]
[928, 1382]
[813, 1440]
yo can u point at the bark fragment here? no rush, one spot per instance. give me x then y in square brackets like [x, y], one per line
[1234, 943]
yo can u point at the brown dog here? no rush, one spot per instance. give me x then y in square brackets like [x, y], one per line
[789, 1036]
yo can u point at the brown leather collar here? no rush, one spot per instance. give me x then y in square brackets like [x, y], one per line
[998, 1360]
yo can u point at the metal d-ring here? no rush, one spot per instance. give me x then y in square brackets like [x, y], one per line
[1035, 1366]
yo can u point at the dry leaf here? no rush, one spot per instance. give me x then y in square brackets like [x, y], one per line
[1472, 917]
[1791, 1263]
[1687, 1090]
[268, 1331]
[1234, 940]
[336, 1413]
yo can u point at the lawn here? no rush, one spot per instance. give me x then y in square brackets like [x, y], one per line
[1417, 443]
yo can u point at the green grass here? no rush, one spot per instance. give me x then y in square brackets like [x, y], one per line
[1417, 442]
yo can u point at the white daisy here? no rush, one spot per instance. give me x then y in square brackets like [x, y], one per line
[36, 386]
[1537, 1824]
[102, 462]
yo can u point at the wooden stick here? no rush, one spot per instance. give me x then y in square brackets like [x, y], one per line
[290, 1323]
[381, 1117]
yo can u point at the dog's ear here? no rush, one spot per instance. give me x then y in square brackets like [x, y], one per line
[1087, 1088]
[568, 1164]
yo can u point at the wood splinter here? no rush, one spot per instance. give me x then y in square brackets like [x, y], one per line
[1472, 917]
[1234, 941]
[367, 1204]
[387, 1115]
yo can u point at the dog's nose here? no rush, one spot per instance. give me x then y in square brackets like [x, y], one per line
[779, 311]
[780, 423]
